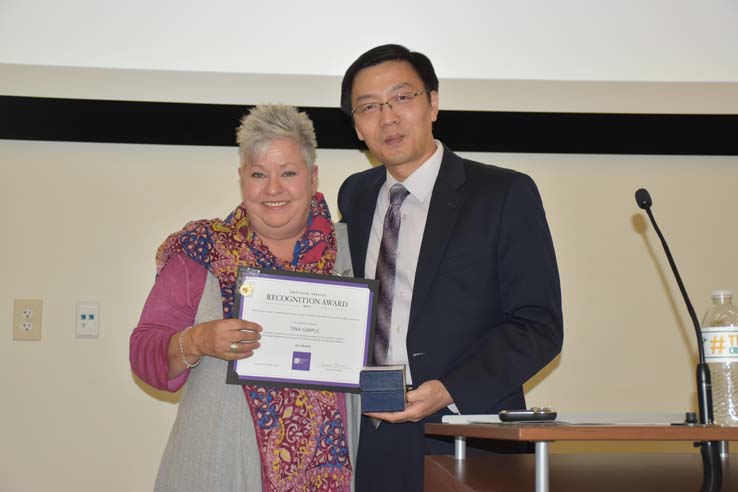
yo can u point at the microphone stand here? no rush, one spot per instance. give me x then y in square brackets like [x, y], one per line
[711, 465]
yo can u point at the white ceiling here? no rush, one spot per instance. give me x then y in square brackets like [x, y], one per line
[615, 40]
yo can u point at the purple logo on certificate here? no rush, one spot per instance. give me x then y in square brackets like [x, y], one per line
[300, 361]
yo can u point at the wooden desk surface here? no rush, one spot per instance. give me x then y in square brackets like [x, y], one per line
[566, 432]
[574, 473]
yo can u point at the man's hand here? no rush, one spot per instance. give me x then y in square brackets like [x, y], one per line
[427, 399]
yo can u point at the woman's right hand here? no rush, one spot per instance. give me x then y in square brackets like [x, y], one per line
[217, 339]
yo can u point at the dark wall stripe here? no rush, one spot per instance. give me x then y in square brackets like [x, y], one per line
[83, 120]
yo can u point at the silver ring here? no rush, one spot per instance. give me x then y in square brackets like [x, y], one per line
[234, 347]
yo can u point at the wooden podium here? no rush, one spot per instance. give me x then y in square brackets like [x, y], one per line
[574, 472]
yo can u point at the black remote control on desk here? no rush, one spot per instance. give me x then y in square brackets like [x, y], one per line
[534, 414]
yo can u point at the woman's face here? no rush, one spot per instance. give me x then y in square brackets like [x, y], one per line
[277, 189]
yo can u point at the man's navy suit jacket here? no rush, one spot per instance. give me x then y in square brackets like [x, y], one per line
[486, 305]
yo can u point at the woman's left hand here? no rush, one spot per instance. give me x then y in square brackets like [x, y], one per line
[227, 339]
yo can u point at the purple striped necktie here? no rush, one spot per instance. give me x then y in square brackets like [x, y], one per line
[386, 267]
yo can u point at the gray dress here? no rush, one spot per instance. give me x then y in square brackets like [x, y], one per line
[212, 447]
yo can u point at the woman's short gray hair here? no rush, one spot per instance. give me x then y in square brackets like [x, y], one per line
[267, 122]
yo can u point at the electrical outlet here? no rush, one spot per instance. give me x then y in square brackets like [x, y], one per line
[88, 319]
[27, 319]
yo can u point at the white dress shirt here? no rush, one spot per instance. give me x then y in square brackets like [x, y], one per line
[414, 212]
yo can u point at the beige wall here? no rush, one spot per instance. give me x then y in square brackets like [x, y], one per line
[82, 221]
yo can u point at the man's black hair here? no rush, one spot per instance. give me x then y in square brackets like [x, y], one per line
[388, 52]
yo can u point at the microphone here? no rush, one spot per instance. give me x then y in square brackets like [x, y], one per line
[643, 198]
[712, 468]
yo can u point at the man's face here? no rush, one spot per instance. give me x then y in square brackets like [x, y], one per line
[401, 137]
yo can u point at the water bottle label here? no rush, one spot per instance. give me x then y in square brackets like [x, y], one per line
[720, 343]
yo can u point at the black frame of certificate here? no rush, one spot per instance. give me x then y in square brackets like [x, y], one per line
[232, 376]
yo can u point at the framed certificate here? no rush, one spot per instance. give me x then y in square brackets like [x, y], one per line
[317, 329]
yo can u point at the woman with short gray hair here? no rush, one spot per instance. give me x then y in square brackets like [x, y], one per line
[254, 438]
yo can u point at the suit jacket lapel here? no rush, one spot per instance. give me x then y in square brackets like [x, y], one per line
[445, 205]
[361, 221]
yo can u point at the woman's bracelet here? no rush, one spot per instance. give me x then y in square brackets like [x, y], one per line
[181, 349]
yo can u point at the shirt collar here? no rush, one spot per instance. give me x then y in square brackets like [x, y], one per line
[420, 183]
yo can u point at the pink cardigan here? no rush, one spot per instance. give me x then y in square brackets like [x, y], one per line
[169, 309]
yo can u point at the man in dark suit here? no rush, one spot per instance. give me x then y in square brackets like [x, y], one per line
[476, 304]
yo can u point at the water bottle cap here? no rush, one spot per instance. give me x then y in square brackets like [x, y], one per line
[721, 293]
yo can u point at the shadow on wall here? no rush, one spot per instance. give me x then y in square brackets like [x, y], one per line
[160, 395]
[641, 227]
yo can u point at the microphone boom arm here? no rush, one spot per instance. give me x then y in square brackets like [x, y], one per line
[682, 289]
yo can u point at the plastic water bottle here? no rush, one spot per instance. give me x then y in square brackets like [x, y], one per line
[720, 339]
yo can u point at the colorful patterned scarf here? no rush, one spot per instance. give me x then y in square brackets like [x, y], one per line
[300, 433]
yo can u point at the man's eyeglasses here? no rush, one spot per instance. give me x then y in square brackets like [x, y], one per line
[372, 108]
